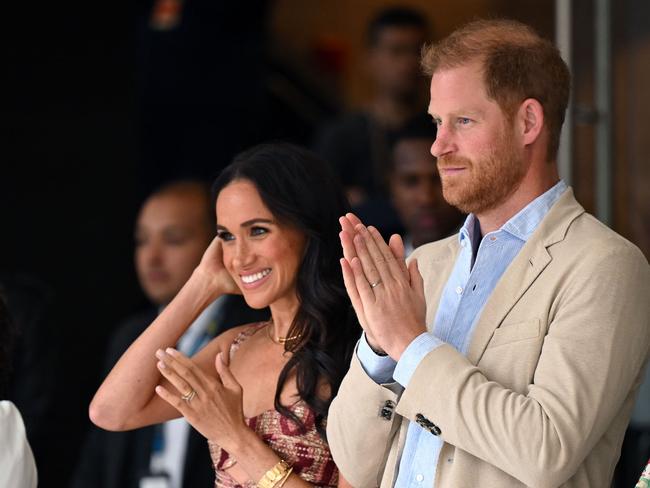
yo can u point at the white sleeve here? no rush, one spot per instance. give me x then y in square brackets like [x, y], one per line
[17, 466]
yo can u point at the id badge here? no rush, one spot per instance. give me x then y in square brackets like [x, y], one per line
[155, 481]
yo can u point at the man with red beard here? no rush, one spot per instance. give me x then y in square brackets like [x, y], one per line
[510, 354]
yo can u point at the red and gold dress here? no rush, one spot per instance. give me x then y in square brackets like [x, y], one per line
[302, 448]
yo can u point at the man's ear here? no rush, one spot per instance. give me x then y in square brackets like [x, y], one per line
[530, 119]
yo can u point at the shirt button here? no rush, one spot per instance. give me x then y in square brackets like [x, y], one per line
[459, 289]
[493, 238]
[462, 243]
[419, 478]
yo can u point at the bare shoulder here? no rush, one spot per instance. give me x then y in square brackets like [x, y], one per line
[221, 343]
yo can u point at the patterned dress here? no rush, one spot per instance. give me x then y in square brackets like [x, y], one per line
[302, 448]
[644, 481]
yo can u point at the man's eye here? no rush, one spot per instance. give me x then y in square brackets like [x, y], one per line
[258, 231]
[175, 241]
[225, 236]
[464, 120]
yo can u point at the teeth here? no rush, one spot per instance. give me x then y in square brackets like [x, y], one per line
[255, 277]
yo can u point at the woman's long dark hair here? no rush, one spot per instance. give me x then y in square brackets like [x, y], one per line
[302, 191]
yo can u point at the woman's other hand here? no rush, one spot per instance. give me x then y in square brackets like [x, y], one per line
[212, 405]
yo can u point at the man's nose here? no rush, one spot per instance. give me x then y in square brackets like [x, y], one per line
[153, 253]
[443, 143]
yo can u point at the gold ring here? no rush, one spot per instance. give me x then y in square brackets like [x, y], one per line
[372, 285]
[189, 395]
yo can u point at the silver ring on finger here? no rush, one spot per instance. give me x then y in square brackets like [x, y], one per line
[373, 285]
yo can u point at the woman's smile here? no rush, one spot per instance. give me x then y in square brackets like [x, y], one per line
[255, 279]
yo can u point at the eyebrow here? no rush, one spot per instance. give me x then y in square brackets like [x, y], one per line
[249, 223]
[457, 113]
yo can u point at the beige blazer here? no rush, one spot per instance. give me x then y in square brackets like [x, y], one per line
[547, 388]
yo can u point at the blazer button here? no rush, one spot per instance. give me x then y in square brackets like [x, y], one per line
[435, 430]
[386, 411]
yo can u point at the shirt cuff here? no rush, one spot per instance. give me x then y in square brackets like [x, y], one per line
[379, 368]
[413, 355]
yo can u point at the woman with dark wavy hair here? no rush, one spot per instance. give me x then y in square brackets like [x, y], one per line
[259, 393]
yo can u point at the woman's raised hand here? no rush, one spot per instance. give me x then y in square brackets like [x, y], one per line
[213, 271]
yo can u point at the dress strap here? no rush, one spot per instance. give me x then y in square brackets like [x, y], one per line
[245, 334]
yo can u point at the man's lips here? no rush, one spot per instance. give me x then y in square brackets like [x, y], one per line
[451, 170]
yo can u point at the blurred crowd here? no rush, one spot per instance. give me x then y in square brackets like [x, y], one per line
[193, 118]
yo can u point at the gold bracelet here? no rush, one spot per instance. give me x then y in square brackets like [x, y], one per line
[284, 480]
[274, 475]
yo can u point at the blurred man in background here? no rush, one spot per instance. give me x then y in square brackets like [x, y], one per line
[416, 191]
[359, 144]
[174, 227]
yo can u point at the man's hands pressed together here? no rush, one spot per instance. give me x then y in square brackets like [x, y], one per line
[387, 297]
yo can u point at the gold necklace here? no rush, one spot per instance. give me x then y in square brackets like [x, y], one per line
[280, 340]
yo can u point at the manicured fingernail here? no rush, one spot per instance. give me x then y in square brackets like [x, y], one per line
[160, 354]
[171, 351]
[161, 365]
[158, 389]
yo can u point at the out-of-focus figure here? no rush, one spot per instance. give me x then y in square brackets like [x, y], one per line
[359, 144]
[174, 227]
[416, 192]
[17, 467]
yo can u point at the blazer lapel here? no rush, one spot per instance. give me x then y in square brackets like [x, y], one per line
[523, 271]
[436, 273]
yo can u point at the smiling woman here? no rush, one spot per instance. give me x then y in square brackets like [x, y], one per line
[259, 393]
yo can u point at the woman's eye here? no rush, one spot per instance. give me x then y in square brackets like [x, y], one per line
[225, 236]
[258, 231]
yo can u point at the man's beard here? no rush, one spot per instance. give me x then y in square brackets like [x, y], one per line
[490, 180]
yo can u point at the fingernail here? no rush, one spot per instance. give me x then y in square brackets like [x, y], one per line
[161, 365]
[160, 354]
[171, 351]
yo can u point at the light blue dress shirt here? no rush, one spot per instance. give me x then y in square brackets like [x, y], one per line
[479, 265]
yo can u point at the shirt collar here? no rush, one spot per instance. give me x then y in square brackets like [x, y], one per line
[522, 224]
